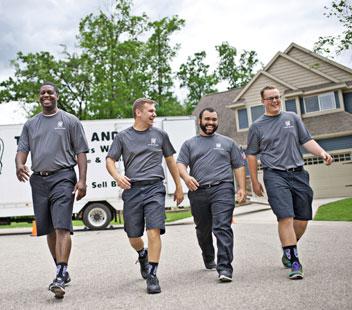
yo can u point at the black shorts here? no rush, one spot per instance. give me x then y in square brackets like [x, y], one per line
[53, 200]
[144, 207]
[289, 193]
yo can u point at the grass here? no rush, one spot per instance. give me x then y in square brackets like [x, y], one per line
[170, 217]
[335, 211]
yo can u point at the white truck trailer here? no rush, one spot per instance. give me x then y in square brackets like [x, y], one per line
[103, 200]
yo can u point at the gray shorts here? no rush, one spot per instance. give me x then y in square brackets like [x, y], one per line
[289, 194]
[53, 200]
[144, 207]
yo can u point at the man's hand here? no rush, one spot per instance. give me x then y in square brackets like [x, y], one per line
[178, 195]
[326, 157]
[241, 195]
[123, 182]
[191, 183]
[80, 189]
[22, 172]
[258, 189]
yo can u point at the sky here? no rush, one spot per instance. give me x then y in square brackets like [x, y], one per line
[264, 26]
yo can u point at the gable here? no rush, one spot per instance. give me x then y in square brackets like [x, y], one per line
[252, 95]
[319, 64]
[295, 74]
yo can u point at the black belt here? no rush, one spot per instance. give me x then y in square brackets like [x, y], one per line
[144, 183]
[47, 173]
[209, 185]
[296, 169]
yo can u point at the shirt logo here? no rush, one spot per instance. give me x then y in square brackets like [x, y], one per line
[218, 146]
[288, 124]
[60, 125]
[153, 142]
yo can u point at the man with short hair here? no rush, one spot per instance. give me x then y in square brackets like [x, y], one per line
[57, 142]
[142, 148]
[213, 160]
[277, 136]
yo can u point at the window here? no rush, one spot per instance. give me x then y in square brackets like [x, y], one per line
[290, 105]
[242, 118]
[256, 112]
[321, 102]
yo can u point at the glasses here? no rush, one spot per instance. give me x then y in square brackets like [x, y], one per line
[272, 98]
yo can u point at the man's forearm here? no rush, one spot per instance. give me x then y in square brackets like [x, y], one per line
[171, 164]
[183, 171]
[21, 158]
[82, 166]
[313, 147]
[240, 174]
[252, 167]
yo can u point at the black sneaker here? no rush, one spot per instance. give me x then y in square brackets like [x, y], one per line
[58, 287]
[144, 266]
[67, 278]
[153, 286]
[210, 265]
[225, 276]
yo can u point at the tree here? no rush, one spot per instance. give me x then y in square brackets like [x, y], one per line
[118, 56]
[159, 54]
[342, 11]
[194, 76]
[237, 75]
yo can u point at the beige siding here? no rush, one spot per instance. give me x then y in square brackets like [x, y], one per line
[320, 65]
[252, 95]
[294, 74]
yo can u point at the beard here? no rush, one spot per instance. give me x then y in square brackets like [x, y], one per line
[209, 131]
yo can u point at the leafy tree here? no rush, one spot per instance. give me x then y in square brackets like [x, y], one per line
[159, 54]
[236, 74]
[194, 76]
[342, 11]
[113, 67]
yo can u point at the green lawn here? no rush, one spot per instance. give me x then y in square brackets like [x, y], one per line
[335, 211]
[170, 217]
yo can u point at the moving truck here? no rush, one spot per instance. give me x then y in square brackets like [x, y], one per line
[103, 200]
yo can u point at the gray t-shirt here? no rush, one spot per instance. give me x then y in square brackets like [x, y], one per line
[53, 141]
[211, 158]
[278, 139]
[142, 152]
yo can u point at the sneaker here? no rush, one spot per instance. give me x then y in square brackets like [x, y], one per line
[153, 286]
[225, 276]
[285, 261]
[67, 278]
[210, 265]
[144, 266]
[296, 271]
[58, 287]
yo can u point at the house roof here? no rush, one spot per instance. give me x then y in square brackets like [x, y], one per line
[322, 58]
[326, 125]
[220, 102]
[290, 87]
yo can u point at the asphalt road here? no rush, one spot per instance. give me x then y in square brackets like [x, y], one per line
[104, 275]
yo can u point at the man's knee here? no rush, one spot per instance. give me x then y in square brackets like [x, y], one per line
[62, 233]
[153, 234]
[287, 221]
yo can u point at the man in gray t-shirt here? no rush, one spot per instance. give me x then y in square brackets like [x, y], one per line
[213, 159]
[143, 148]
[57, 143]
[277, 137]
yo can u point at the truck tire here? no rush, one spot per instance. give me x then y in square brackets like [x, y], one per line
[97, 216]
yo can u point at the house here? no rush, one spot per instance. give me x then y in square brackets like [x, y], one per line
[319, 90]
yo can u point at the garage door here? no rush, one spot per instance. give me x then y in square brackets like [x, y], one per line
[328, 181]
[331, 181]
